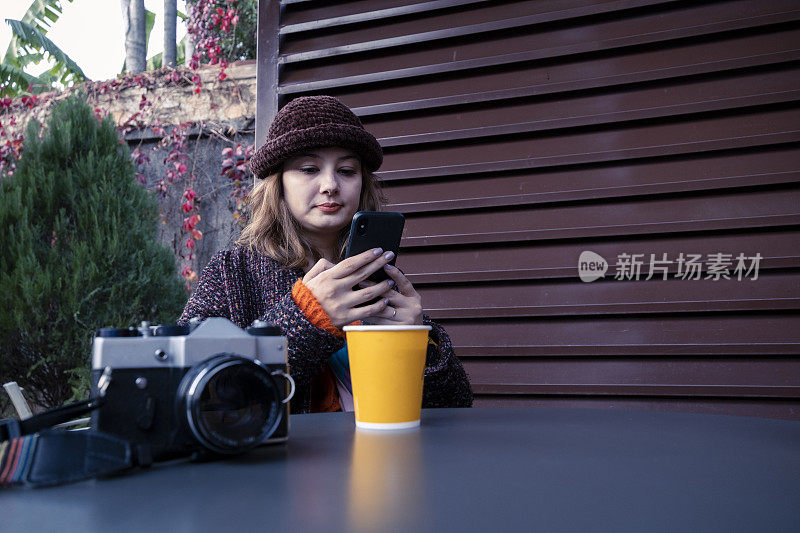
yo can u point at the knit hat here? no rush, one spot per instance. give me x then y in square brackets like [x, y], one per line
[313, 122]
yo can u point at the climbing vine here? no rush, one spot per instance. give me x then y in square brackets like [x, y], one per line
[214, 26]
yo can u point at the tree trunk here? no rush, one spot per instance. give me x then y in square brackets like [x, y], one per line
[170, 22]
[133, 17]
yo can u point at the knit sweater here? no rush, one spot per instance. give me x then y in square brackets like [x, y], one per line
[243, 285]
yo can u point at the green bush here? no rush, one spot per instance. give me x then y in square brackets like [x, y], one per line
[78, 251]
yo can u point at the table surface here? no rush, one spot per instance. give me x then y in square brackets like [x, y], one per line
[509, 469]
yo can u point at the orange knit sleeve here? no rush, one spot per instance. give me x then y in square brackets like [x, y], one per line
[310, 307]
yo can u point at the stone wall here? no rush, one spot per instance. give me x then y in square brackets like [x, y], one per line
[227, 103]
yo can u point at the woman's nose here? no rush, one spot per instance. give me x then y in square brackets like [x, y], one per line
[328, 183]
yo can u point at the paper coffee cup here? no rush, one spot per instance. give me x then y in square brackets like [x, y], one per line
[387, 365]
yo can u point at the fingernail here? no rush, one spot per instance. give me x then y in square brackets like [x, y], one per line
[377, 251]
[386, 301]
[389, 256]
[391, 283]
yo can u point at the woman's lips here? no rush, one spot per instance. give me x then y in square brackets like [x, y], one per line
[329, 208]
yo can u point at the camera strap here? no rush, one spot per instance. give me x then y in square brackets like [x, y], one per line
[33, 454]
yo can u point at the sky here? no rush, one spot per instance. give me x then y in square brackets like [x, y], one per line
[90, 32]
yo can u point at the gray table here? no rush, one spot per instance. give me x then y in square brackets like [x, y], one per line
[463, 470]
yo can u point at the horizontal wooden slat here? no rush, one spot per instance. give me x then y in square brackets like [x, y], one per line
[716, 171]
[725, 211]
[648, 64]
[767, 140]
[665, 330]
[433, 27]
[373, 11]
[665, 227]
[753, 350]
[572, 298]
[608, 36]
[624, 389]
[630, 308]
[655, 101]
[598, 371]
[594, 119]
[563, 255]
[773, 126]
[756, 180]
[464, 275]
[559, 260]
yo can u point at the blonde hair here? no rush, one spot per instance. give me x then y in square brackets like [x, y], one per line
[272, 230]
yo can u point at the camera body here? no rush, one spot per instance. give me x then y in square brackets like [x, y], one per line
[208, 388]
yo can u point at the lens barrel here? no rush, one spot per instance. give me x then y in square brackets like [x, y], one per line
[230, 403]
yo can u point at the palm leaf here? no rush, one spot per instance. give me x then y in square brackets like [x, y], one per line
[41, 14]
[154, 62]
[149, 22]
[34, 39]
[26, 59]
[12, 76]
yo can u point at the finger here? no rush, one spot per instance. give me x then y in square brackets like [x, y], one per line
[390, 315]
[319, 267]
[403, 285]
[377, 290]
[367, 311]
[352, 264]
[409, 309]
[365, 271]
[395, 298]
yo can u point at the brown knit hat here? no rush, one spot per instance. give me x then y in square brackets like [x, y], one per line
[314, 122]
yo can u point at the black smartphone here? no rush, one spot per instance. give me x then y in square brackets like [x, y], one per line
[376, 229]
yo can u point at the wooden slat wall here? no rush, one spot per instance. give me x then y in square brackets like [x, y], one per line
[518, 134]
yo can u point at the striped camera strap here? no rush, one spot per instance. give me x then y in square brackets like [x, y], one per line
[15, 459]
[33, 455]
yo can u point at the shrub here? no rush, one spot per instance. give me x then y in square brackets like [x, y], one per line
[78, 251]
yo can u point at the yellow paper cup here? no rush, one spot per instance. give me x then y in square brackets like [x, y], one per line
[387, 365]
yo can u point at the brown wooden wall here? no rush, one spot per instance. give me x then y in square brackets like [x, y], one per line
[518, 134]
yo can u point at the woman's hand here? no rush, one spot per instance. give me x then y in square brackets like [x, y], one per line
[332, 286]
[404, 307]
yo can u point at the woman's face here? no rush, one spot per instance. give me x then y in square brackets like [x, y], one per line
[322, 188]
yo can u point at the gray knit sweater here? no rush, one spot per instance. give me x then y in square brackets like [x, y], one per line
[243, 286]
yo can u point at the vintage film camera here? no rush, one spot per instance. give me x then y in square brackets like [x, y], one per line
[204, 389]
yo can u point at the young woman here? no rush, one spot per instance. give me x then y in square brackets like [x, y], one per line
[316, 171]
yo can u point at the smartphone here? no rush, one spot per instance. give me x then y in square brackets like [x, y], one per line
[376, 229]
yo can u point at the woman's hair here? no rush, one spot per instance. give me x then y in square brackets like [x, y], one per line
[272, 230]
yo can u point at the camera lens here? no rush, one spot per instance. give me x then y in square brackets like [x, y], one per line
[361, 228]
[231, 403]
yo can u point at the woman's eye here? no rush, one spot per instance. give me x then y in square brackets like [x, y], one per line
[347, 171]
[308, 170]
